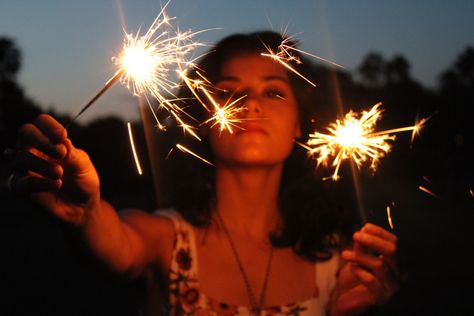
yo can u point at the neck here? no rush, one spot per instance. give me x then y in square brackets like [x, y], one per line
[247, 200]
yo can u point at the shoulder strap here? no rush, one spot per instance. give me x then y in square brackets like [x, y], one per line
[184, 260]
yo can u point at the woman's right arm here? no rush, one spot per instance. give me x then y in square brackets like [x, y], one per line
[52, 173]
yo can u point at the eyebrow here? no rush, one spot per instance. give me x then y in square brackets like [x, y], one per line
[266, 78]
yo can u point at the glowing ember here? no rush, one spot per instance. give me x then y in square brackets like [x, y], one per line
[185, 150]
[389, 217]
[132, 145]
[427, 191]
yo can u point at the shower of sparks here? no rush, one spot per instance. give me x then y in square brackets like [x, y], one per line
[185, 150]
[354, 138]
[226, 115]
[422, 188]
[284, 55]
[148, 62]
[389, 217]
[132, 145]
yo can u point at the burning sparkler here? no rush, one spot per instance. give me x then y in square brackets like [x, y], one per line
[147, 63]
[354, 138]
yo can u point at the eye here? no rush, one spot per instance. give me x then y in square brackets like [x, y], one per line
[224, 94]
[274, 94]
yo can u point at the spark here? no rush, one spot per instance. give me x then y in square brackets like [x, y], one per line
[389, 217]
[354, 138]
[147, 63]
[226, 115]
[471, 192]
[427, 179]
[184, 149]
[284, 55]
[132, 144]
[427, 191]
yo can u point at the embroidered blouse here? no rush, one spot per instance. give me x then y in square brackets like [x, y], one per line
[185, 297]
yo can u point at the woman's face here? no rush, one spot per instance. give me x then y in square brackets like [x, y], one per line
[269, 119]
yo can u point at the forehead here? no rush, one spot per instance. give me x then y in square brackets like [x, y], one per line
[252, 65]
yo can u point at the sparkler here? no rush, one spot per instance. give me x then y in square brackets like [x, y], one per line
[146, 63]
[354, 138]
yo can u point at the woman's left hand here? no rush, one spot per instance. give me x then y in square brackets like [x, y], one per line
[370, 274]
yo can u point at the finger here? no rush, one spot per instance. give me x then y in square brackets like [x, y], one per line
[51, 128]
[376, 243]
[26, 161]
[379, 231]
[75, 157]
[372, 283]
[367, 261]
[26, 184]
[385, 271]
[29, 135]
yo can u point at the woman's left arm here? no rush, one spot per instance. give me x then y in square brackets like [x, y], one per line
[369, 275]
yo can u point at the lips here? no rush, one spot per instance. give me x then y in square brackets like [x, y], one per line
[251, 128]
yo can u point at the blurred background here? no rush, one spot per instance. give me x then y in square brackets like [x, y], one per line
[417, 58]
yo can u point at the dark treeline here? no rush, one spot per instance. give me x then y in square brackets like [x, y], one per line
[434, 239]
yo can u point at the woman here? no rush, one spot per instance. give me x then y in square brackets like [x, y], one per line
[261, 249]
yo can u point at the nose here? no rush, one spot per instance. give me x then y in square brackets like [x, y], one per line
[252, 106]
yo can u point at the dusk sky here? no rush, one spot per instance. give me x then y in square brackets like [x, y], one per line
[67, 46]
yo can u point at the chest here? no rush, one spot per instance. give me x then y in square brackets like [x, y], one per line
[284, 278]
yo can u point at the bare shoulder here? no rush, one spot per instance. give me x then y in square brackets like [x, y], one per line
[157, 233]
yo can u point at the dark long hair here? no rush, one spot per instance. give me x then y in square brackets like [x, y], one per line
[311, 225]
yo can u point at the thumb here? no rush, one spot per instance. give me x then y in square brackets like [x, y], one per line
[76, 160]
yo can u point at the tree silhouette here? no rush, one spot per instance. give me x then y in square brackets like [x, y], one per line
[15, 108]
[10, 59]
[397, 70]
[372, 69]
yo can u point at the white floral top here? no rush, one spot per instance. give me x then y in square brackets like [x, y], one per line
[185, 297]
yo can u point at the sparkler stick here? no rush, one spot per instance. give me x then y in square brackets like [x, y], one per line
[106, 87]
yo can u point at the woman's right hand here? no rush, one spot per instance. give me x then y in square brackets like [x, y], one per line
[51, 172]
